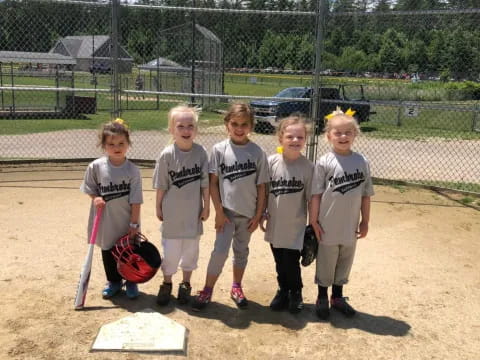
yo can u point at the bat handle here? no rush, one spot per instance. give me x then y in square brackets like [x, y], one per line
[96, 221]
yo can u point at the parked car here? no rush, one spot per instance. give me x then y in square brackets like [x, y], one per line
[269, 112]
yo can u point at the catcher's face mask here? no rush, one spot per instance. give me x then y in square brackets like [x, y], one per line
[137, 259]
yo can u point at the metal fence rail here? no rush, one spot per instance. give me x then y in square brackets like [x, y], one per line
[411, 72]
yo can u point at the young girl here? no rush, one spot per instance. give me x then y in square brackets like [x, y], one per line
[286, 215]
[238, 173]
[114, 184]
[181, 180]
[341, 190]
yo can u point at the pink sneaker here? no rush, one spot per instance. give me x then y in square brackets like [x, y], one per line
[237, 295]
[201, 300]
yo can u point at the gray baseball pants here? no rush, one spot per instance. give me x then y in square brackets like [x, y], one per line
[236, 231]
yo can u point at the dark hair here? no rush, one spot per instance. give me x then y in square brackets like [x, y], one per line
[239, 109]
[112, 128]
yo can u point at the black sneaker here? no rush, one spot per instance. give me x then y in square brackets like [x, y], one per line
[163, 297]
[184, 291]
[340, 304]
[322, 308]
[295, 301]
[280, 301]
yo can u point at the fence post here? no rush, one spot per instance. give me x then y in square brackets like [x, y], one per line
[13, 91]
[399, 114]
[315, 106]
[1, 84]
[115, 86]
[476, 110]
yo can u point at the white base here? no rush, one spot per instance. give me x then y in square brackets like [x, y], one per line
[146, 331]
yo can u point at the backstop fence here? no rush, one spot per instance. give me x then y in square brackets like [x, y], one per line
[410, 70]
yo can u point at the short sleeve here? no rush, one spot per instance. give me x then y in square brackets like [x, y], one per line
[136, 193]
[89, 185]
[205, 166]
[318, 182]
[368, 188]
[213, 163]
[160, 174]
[262, 170]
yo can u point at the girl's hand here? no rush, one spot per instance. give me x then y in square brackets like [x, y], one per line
[265, 217]
[318, 230]
[132, 232]
[362, 230]
[98, 202]
[253, 223]
[159, 213]
[205, 213]
[220, 221]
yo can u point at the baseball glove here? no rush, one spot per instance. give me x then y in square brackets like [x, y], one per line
[310, 246]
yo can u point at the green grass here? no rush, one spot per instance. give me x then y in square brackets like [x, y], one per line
[138, 120]
[388, 122]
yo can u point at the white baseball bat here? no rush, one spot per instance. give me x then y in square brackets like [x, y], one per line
[87, 265]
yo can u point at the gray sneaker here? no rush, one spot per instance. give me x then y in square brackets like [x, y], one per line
[322, 308]
[184, 291]
[343, 306]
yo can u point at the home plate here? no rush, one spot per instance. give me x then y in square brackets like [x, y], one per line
[146, 331]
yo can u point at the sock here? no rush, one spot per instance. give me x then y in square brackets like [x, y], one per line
[186, 283]
[236, 285]
[208, 289]
[337, 291]
[166, 283]
[322, 291]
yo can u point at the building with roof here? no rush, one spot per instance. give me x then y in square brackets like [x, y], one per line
[92, 52]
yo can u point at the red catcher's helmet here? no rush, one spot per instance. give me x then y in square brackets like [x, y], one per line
[137, 259]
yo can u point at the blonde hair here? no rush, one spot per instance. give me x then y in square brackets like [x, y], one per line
[239, 109]
[291, 120]
[348, 118]
[113, 128]
[180, 109]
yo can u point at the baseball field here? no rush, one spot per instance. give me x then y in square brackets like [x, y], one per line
[415, 282]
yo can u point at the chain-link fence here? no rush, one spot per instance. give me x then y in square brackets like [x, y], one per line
[410, 70]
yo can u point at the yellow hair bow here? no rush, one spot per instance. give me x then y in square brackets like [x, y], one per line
[280, 149]
[121, 122]
[338, 111]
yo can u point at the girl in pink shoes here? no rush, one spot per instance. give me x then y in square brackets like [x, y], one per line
[238, 173]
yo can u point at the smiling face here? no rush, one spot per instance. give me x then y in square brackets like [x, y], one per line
[238, 128]
[341, 134]
[293, 140]
[183, 130]
[116, 147]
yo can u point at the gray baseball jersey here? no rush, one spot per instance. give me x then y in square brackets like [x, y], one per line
[288, 196]
[120, 186]
[181, 174]
[342, 181]
[240, 168]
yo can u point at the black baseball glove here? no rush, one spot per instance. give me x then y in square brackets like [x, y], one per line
[310, 246]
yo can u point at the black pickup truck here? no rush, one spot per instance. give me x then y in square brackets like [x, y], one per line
[269, 112]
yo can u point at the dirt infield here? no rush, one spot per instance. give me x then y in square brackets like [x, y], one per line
[415, 283]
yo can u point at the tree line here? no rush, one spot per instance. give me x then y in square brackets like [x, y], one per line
[358, 35]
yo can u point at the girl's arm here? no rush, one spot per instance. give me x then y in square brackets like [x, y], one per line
[313, 211]
[365, 212]
[158, 204]
[206, 204]
[220, 218]
[134, 219]
[261, 199]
